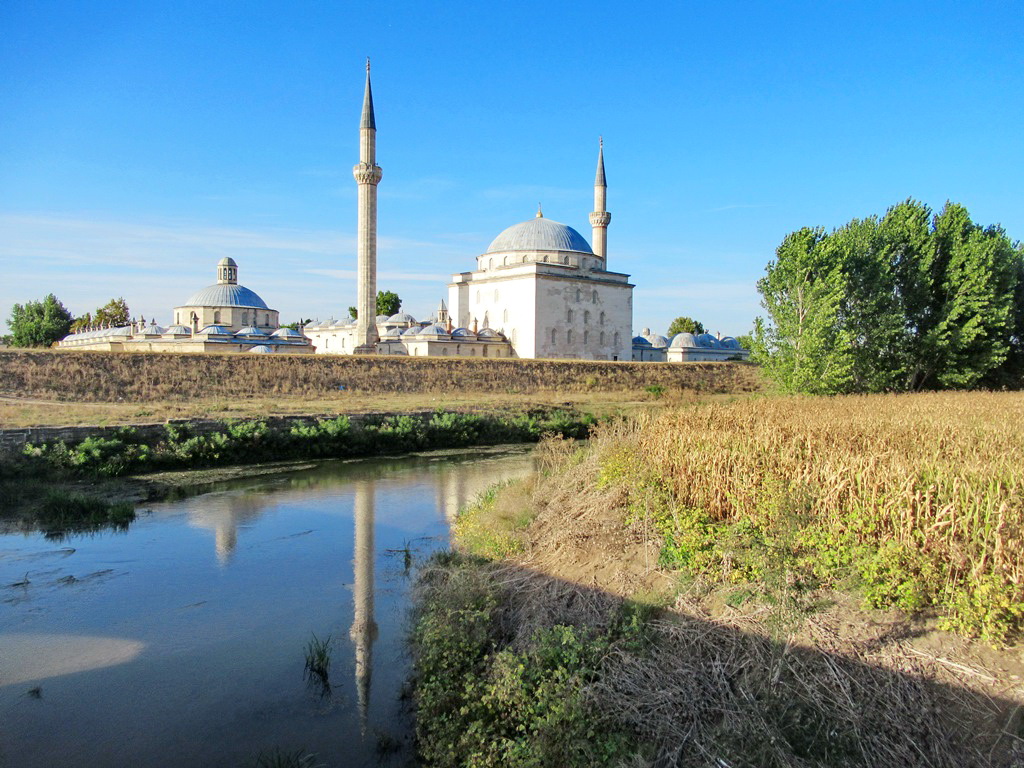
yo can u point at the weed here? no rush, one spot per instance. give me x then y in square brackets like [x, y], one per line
[318, 664]
[276, 758]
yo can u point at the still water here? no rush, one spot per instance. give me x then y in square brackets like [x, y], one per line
[181, 642]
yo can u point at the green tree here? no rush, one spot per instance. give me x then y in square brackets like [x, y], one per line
[297, 324]
[685, 325]
[81, 323]
[39, 323]
[907, 302]
[804, 349]
[388, 304]
[114, 312]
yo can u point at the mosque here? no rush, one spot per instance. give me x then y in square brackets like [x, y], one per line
[223, 317]
[539, 290]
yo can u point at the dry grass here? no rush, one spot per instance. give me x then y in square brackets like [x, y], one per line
[114, 377]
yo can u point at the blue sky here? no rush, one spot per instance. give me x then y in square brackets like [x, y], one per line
[141, 142]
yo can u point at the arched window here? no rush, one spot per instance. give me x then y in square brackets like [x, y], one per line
[177, 319]
[245, 318]
[586, 337]
[266, 319]
[579, 294]
[593, 297]
[602, 338]
[568, 337]
[478, 297]
[505, 316]
[216, 317]
[602, 318]
[568, 316]
[586, 317]
[554, 335]
[616, 338]
[490, 263]
[495, 294]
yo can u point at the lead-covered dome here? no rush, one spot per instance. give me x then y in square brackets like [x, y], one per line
[539, 234]
[225, 295]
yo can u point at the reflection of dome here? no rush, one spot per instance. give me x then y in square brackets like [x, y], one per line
[539, 234]
[225, 295]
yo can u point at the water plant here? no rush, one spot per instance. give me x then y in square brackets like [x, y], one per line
[318, 664]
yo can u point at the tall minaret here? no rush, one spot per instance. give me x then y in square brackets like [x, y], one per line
[367, 174]
[600, 217]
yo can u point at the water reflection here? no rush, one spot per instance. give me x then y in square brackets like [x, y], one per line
[219, 631]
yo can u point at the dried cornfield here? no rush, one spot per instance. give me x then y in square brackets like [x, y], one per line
[919, 496]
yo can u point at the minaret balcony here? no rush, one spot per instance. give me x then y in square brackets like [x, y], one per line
[365, 173]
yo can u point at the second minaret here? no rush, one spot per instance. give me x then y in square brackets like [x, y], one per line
[600, 218]
[367, 174]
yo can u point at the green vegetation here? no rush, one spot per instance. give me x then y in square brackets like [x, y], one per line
[114, 313]
[39, 323]
[905, 302]
[318, 663]
[915, 500]
[60, 513]
[481, 701]
[685, 325]
[388, 304]
[277, 758]
[126, 452]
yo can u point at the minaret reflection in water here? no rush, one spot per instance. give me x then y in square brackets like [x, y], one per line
[364, 628]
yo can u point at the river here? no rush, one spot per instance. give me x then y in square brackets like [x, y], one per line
[182, 641]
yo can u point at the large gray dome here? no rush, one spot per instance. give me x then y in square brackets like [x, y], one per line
[225, 295]
[539, 234]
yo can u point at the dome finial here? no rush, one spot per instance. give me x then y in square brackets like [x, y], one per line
[540, 213]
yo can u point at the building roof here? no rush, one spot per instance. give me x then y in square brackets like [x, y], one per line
[539, 234]
[225, 295]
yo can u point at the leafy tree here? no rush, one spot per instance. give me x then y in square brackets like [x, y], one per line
[685, 325]
[295, 326]
[804, 349]
[39, 323]
[905, 302]
[81, 323]
[114, 312]
[388, 304]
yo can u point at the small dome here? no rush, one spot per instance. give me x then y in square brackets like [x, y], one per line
[436, 331]
[179, 330]
[391, 333]
[261, 349]
[728, 342]
[403, 318]
[227, 261]
[225, 295]
[124, 330]
[154, 330]
[684, 339]
[708, 341]
[413, 331]
[539, 234]
[463, 333]
[489, 333]
[216, 330]
[381, 319]
[250, 330]
[657, 341]
[640, 341]
[287, 333]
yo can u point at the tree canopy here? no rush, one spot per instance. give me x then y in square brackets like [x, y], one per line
[685, 325]
[39, 323]
[904, 302]
[114, 313]
[388, 303]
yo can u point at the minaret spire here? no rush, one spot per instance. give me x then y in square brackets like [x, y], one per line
[600, 218]
[367, 174]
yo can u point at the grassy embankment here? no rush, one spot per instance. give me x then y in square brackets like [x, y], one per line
[52, 387]
[770, 582]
